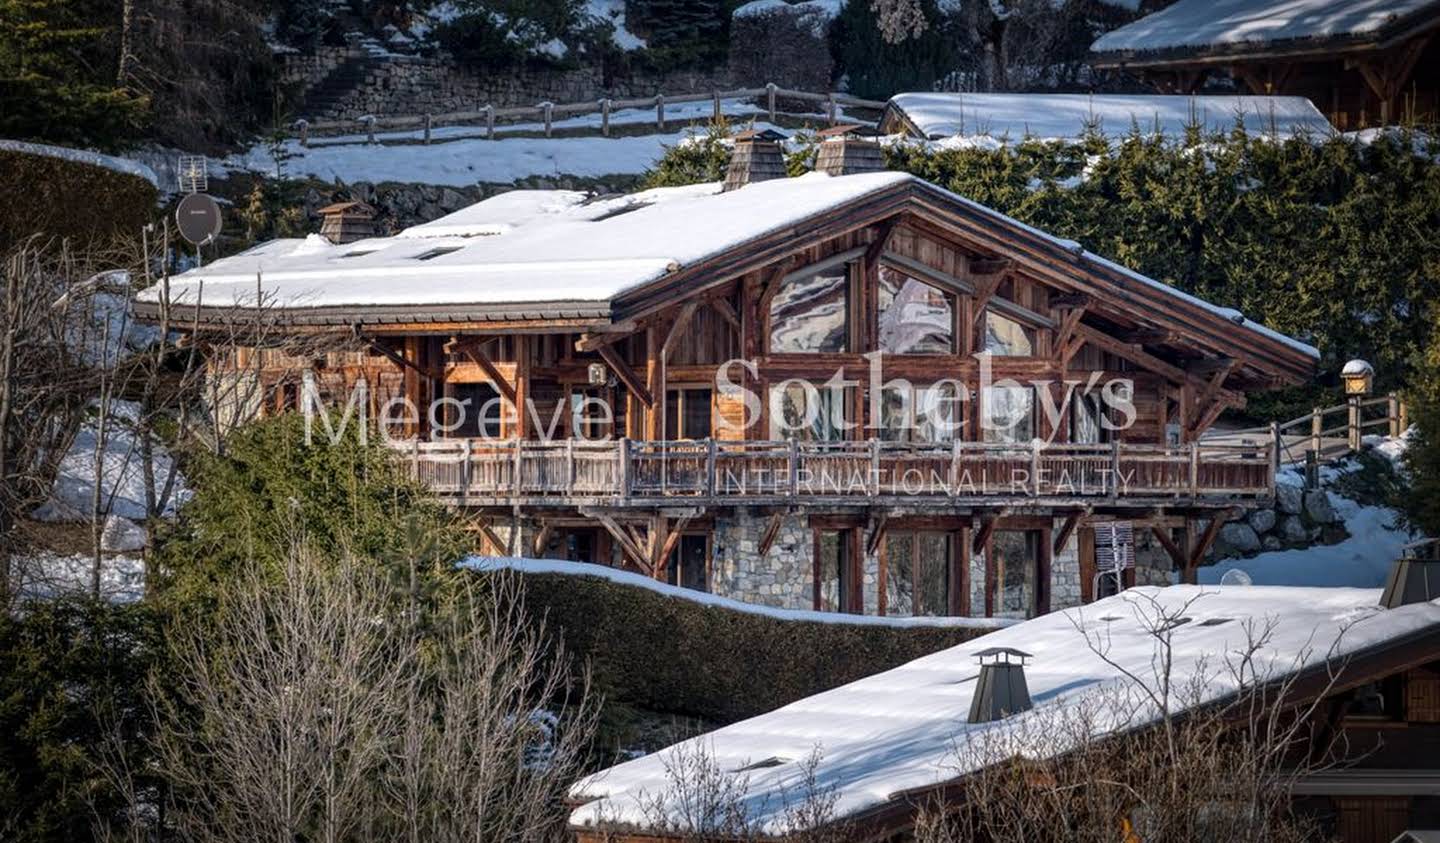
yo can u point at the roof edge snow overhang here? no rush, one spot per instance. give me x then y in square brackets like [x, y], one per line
[345, 316]
[1319, 48]
[1399, 654]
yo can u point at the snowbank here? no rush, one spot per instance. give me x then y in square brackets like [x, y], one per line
[109, 162]
[46, 576]
[586, 569]
[122, 480]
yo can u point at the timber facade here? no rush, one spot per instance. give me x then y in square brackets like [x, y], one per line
[669, 428]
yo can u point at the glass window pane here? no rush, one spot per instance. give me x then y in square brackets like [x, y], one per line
[1009, 413]
[672, 415]
[811, 314]
[894, 415]
[1005, 337]
[932, 575]
[834, 549]
[939, 414]
[697, 413]
[476, 414]
[914, 317]
[1017, 555]
[899, 588]
[791, 416]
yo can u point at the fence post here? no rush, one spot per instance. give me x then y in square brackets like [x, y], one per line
[1277, 445]
[770, 95]
[569, 466]
[1352, 424]
[1317, 429]
[1035, 467]
[874, 483]
[660, 112]
[794, 467]
[464, 469]
[1114, 469]
[369, 121]
[622, 450]
[303, 126]
[547, 109]
[605, 117]
[489, 121]
[1194, 469]
[1402, 416]
[429, 123]
[1392, 412]
[415, 457]
[710, 466]
[831, 108]
[715, 98]
[515, 484]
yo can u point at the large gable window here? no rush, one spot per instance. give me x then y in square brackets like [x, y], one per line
[1005, 337]
[811, 313]
[914, 317]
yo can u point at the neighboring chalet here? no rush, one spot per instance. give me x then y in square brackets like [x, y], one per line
[889, 744]
[932, 116]
[932, 492]
[1362, 62]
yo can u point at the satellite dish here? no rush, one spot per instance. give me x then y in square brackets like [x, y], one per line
[198, 217]
[1235, 576]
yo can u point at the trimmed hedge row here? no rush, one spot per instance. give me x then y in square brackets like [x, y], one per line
[55, 197]
[679, 657]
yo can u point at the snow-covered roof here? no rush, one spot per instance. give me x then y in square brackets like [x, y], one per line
[1191, 24]
[896, 731]
[555, 251]
[1065, 116]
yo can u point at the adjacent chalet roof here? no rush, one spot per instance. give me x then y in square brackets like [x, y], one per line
[883, 738]
[1065, 116]
[552, 255]
[1237, 27]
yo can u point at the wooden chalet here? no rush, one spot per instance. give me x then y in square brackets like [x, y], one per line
[704, 471]
[1362, 63]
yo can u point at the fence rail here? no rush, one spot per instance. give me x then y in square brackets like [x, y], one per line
[547, 112]
[1325, 434]
[568, 470]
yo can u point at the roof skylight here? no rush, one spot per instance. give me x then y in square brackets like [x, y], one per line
[436, 252]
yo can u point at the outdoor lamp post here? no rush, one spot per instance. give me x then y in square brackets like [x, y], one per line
[1358, 377]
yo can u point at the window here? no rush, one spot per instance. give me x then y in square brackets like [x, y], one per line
[1004, 337]
[591, 413]
[687, 414]
[1087, 419]
[917, 573]
[1017, 564]
[811, 314]
[929, 414]
[914, 317]
[436, 252]
[835, 586]
[802, 411]
[1008, 413]
[688, 564]
[479, 412]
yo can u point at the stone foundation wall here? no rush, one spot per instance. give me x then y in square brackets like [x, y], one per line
[306, 70]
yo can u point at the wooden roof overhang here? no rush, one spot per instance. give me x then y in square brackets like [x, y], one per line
[897, 813]
[1323, 48]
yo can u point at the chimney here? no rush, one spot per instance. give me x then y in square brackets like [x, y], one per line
[1001, 690]
[846, 150]
[346, 222]
[757, 157]
[1415, 577]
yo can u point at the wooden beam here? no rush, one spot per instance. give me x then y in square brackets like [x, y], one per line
[1068, 528]
[478, 356]
[542, 538]
[882, 239]
[395, 357]
[1211, 365]
[594, 341]
[1208, 405]
[1177, 556]
[772, 532]
[722, 307]
[877, 535]
[626, 375]
[1070, 301]
[1149, 336]
[1062, 336]
[627, 545]
[990, 266]
[494, 540]
[682, 319]
[982, 535]
[1207, 538]
[1134, 354]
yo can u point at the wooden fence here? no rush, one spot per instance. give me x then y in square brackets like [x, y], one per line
[546, 113]
[480, 470]
[1324, 434]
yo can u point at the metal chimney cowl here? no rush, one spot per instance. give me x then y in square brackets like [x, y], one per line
[1001, 689]
[1415, 576]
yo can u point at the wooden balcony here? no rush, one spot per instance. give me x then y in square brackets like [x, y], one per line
[639, 473]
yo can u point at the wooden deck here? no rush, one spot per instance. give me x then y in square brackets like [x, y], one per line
[647, 473]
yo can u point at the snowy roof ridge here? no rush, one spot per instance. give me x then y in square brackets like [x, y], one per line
[627, 578]
[1064, 116]
[894, 733]
[1197, 24]
[83, 156]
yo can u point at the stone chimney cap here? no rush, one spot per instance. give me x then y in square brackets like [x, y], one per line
[751, 135]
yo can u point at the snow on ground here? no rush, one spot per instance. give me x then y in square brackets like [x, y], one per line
[109, 162]
[1361, 561]
[1203, 23]
[45, 576]
[897, 730]
[1064, 116]
[586, 569]
[122, 482]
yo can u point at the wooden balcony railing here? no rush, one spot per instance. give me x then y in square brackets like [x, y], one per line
[484, 471]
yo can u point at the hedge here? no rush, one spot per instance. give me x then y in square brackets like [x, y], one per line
[684, 658]
[57, 197]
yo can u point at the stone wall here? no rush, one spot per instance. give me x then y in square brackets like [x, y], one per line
[1299, 518]
[308, 69]
[402, 85]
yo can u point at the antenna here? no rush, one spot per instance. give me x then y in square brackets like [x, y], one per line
[194, 178]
